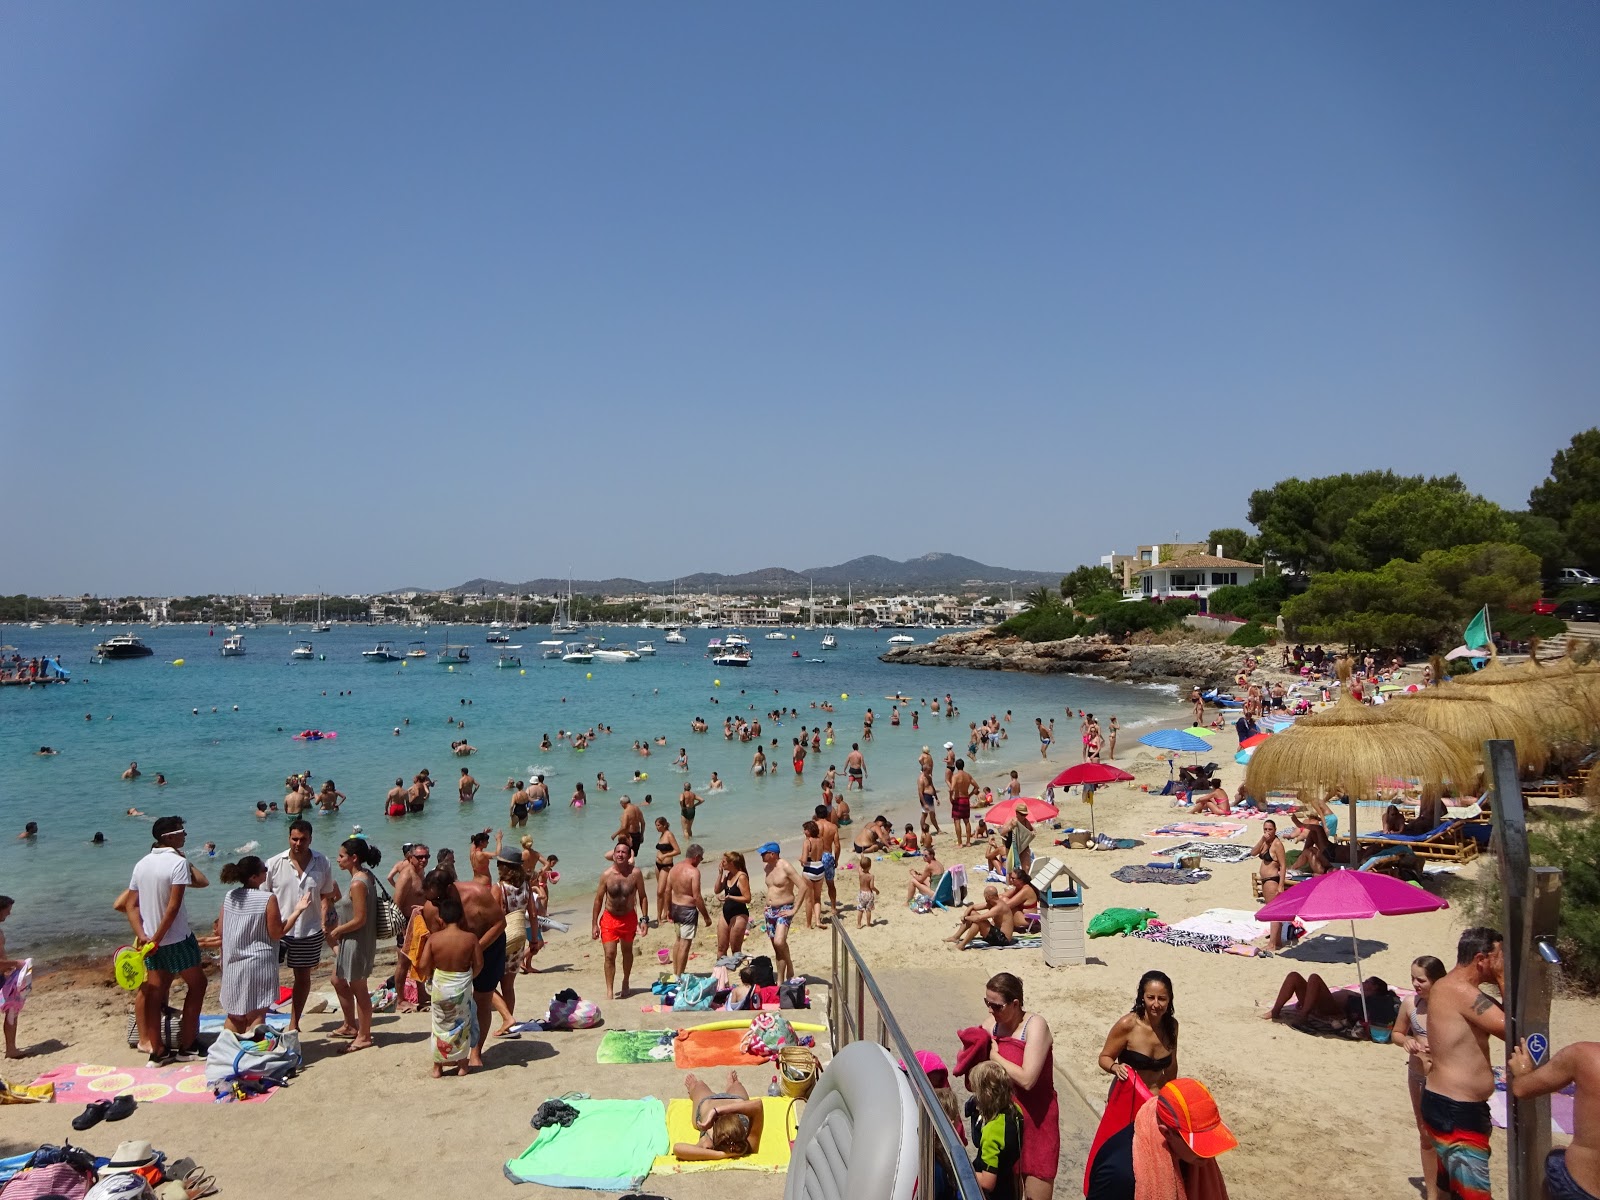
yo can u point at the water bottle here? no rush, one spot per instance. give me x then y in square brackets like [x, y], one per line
[772, 1088]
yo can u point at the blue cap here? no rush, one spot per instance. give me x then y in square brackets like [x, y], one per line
[767, 848]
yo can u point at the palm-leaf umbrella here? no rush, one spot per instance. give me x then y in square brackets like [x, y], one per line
[1351, 747]
[1470, 719]
[1557, 703]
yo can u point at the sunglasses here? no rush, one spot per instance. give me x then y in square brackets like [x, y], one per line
[993, 1006]
[423, 857]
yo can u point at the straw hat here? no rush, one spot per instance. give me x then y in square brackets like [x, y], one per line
[130, 1156]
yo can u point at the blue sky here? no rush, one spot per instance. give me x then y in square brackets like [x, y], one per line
[301, 297]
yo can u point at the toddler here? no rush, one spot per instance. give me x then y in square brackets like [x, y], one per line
[868, 895]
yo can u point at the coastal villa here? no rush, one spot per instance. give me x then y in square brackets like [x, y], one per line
[1161, 572]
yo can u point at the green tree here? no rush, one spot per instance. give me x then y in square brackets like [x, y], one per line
[1235, 543]
[1583, 534]
[1039, 599]
[1498, 574]
[1407, 523]
[1301, 519]
[1573, 480]
[1079, 584]
[1542, 535]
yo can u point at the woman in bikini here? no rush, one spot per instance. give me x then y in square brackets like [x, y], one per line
[1272, 871]
[667, 851]
[812, 869]
[731, 1120]
[1411, 1028]
[1145, 1040]
[733, 889]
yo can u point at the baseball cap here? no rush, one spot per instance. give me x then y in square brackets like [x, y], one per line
[933, 1067]
[767, 848]
[1186, 1106]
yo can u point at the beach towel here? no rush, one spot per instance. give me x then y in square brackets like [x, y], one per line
[1199, 829]
[1210, 851]
[772, 1156]
[181, 1084]
[15, 988]
[697, 1049]
[1158, 932]
[635, 1046]
[1561, 1117]
[1138, 873]
[1111, 1152]
[951, 889]
[609, 1148]
[455, 1016]
[416, 934]
[1022, 941]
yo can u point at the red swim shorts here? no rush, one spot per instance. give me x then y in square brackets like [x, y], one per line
[618, 929]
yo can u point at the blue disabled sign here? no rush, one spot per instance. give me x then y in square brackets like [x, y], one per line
[1538, 1048]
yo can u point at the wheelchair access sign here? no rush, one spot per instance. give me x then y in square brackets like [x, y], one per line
[1538, 1048]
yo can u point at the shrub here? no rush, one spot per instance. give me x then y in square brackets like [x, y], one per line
[1574, 846]
[1051, 623]
[1251, 634]
[1123, 619]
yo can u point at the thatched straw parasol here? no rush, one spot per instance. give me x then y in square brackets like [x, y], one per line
[1559, 702]
[1469, 718]
[1352, 747]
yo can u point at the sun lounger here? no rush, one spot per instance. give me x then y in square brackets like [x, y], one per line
[1445, 842]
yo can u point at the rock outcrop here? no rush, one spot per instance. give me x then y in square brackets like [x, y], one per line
[1186, 663]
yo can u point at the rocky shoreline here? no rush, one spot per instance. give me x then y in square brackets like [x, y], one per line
[1186, 663]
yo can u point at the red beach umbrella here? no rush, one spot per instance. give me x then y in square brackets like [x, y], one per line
[1089, 773]
[1255, 739]
[1038, 810]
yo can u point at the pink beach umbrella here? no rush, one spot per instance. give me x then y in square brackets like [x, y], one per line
[1038, 810]
[1349, 896]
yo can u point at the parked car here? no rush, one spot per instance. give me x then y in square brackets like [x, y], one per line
[1577, 610]
[1545, 607]
[1577, 575]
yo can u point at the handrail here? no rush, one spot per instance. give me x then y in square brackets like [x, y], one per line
[848, 1025]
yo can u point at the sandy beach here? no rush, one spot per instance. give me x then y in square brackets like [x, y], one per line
[372, 1121]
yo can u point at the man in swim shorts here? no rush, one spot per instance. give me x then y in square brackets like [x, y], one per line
[1572, 1173]
[927, 796]
[783, 884]
[621, 888]
[406, 878]
[855, 768]
[962, 789]
[630, 828]
[1455, 1099]
[829, 835]
[685, 904]
[297, 871]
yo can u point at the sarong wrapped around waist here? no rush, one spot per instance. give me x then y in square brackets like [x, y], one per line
[455, 1016]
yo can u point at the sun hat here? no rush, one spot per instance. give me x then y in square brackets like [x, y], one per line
[1186, 1106]
[933, 1067]
[129, 1157]
[511, 858]
[767, 848]
[949, 745]
[1020, 808]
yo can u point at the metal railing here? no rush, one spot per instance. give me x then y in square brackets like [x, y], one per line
[850, 986]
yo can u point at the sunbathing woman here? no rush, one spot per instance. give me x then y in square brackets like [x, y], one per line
[1215, 804]
[1145, 1041]
[1345, 1011]
[1272, 871]
[1316, 856]
[731, 1121]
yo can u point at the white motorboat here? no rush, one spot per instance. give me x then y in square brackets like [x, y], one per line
[829, 642]
[417, 650]
[303, 650]
[777, 635]
[552, 648]
[674, 637]
[902, 639]
[577, 652]
[233, 646]
[383, 652]
[615, 654]
[733, 658]
[736, 639]
[646, 648]
[496, 635]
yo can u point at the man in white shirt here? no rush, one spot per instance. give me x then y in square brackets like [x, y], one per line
[299, 871]
[153, 904]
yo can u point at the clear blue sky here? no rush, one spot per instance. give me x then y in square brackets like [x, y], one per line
[309, 296]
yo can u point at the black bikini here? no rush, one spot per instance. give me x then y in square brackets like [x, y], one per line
[662, 848]
[1143, 1062]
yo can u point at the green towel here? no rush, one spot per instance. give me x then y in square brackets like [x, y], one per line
[609, 1148]
[636, 1046]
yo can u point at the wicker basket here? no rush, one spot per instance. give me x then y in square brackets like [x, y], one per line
[797, 1071]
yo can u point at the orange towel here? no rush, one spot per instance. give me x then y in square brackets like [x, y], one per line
[698, 1048]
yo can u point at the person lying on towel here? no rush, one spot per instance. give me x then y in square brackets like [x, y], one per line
[731, 1120]
[1344, 1010]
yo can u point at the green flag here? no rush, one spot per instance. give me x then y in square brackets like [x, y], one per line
[1478, 630]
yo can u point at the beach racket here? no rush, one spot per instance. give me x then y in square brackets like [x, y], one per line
[130, 968]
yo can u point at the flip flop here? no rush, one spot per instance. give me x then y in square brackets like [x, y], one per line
[93, 1113]
[121, 1108]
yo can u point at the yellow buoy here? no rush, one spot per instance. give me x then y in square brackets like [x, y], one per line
[177, 662]
[844, 695]
[589, 675]
[716, 683]
[450, 667]
[522, 672]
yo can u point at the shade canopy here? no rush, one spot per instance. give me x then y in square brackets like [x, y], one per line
[1470, 719]
[1038, 810]
[1255, 739]
[1349, 896]
[1094, 773]
[1175, 739]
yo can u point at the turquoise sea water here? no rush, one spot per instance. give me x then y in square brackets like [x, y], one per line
[218, 762]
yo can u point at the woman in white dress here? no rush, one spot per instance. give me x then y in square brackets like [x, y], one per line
[250, 926]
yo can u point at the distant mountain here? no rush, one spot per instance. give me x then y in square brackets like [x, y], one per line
[930, 572]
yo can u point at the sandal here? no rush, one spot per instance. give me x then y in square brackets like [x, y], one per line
[198, 1183]
[93, 1113]
[121, 1108]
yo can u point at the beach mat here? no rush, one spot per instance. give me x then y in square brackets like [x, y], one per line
[622, 1046]
[697, 1049]
[609, 1148]
[1194, 829]
[182, 1084]
[773, 1155]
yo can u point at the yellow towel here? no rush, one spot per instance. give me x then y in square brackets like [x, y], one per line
[773, 1155]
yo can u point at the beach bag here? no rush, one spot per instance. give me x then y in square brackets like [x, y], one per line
[57, 1181]
[695, 993]
[768, 1033]
[170, 1020]
[1115, 921]
[390, 922]
[570, 1011]
[792, 994]
[270, 1059]
[797, 1072]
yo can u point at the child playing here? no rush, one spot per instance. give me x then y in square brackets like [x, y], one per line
[868, 895]
[909, 843]
[731, 1120]
[451, 957]
[998, 1133]
[16, 980]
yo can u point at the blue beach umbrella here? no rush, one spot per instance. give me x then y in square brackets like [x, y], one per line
[1176, 739]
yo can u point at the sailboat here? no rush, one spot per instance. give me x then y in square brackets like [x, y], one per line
[563, 622]
[450, 657]
[321, 626]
